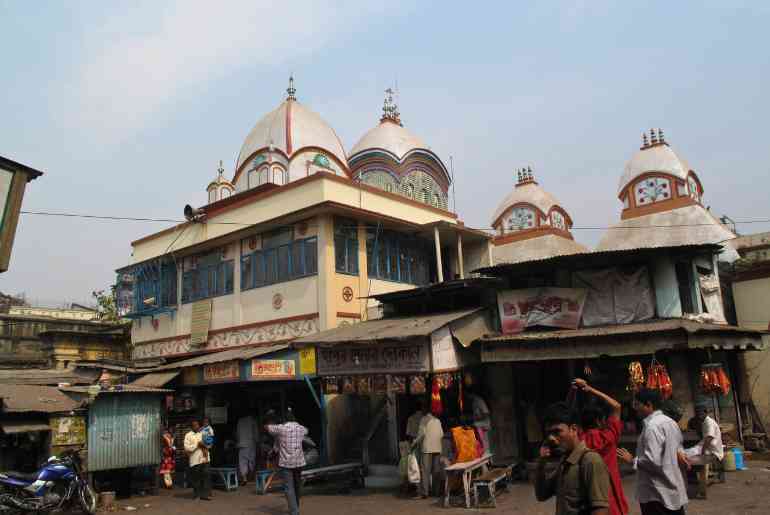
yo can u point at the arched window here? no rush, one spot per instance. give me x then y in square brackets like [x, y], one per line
[692, 185]
[263, 175]
[278, 175]
[651, 190]
[520, 218]
[226, 192]
[557, 220]
[252, 179]
[212, 195]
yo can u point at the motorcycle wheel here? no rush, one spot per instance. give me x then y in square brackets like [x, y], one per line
[87, 498]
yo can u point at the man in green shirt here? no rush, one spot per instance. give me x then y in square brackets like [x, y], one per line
[580, 482]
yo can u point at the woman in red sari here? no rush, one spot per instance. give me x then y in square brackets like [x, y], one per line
[603, 436]
[167, 463]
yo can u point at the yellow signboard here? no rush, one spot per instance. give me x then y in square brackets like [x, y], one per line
[307, 361]
[200, 322]
[273, 369]
[68, 430]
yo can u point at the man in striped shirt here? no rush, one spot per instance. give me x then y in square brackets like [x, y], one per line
[288, 439]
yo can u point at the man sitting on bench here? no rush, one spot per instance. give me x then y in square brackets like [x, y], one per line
[711, 439]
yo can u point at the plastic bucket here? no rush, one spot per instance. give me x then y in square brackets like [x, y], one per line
[738, 453]
[729, 462]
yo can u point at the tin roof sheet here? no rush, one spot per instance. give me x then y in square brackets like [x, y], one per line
[19, 398]
[10, 427]
[155, 379]
[34, 376]
[221, 356]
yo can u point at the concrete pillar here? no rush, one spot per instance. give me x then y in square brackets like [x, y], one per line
[460, 267]
[363, 271]
[489, 252]
[327, 313]
[439, 268]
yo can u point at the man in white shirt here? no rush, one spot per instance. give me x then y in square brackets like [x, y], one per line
[429, 439]
[711, 440]
[198, 455]
[413, 422]
[246, 437]
[660, 486]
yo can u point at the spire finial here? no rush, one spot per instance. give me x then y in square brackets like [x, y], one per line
[645, 141]
[221, 168]
[291, 90]
[521, 177]
[660, 136]
[390, 108]
[653, 137]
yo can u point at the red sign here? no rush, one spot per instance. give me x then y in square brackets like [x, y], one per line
[273, 369]
[553, 307]
[225, 371]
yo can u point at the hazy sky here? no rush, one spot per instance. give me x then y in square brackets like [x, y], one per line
[128, 106]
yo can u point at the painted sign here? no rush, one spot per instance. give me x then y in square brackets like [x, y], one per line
[190, 376]
[443, 351]
[386, 358]
[200, 322]
[307, 364]
[68, 430]
[225, 371]
[553, 307]
[273, 369]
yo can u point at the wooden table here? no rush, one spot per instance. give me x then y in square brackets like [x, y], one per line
[465, 468]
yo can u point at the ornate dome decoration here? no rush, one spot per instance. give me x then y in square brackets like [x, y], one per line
[657, 179]
[531, 224]
[662, 203]
[220, 188]
[392, 158]
[287, 144]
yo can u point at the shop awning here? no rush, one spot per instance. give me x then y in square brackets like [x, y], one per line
[11, 427]
[620, 340]
[155, 379]
[221, 356]
[21, 398]
[373, 331]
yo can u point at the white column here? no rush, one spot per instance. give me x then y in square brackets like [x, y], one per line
[438, 255]
[489, 252]
[460, 255]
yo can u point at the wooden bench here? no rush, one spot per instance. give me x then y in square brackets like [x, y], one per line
[228, 476]
[466, 469]
[490, 481]
[263, 478]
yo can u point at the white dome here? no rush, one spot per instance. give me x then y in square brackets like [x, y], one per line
[533, 249]
[290, 128]
[658, 158]
[529, 193]
[391, 137]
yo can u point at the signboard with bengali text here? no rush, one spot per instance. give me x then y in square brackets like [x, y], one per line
[225, 371]
[273, 369]
[385, 358]
[552, 307]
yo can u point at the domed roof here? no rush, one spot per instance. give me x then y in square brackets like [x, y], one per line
[529, 192]
[542, 247]
[391, 137]
[655, 157]
[291, 127]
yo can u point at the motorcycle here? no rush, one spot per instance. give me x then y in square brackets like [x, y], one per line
[58, 484]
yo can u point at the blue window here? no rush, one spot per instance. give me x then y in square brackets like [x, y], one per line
[287, 260]
[346, 245]
[211, 277]
[397, 257]
[153, 287]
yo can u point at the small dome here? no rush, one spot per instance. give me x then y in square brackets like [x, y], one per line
[390, 137]
[527, 191]
[655, 157]
[289, 128]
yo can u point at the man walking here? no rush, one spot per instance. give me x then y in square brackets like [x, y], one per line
[198, 456]
[660, 486]
[246, 436]
[580, 482]
[429, 439]
[291, 459]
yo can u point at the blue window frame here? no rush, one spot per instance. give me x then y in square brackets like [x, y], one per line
[397, 257]
[208, 280]
[153, 287]
[346, 246]
[285, 262]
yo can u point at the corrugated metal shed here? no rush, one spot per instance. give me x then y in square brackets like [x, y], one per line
[35, 399]
[155, 379]
[120, 389]
[398, 328]
[123, 431]
[47, 377]
[10, 427]
[219, 357]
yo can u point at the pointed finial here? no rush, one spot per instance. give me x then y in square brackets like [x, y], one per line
[660, 136]
[653, 137]
[291, 90]
[645, 141]
[529, 174]
[221, 168]
[521, 177]
[390, 109]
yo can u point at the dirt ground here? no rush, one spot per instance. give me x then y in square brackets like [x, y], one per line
[744, 493]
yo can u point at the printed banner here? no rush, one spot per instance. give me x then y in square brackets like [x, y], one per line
[384, 359]
[68, 430]
[273, 369]
[225, 371]
[200, 322]
[553, 307]
[307, 361]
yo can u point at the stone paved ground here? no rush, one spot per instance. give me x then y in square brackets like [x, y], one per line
[745, 493]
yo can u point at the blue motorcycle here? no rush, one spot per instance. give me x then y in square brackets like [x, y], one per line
[57, 485]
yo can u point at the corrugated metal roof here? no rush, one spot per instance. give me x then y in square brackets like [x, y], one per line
[35, 399]
[35, 376]
[10, 427]
[155, 379]
[398, 328]
[225, 355]
[123, 388]
[672, 324]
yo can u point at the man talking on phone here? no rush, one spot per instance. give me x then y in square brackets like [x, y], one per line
[580, 482]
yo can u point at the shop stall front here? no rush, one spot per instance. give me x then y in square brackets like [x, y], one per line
[252, 381]
[374, 372]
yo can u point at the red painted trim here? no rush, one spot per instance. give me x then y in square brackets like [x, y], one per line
[528, 234]
[520, 204]
[343, 314]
